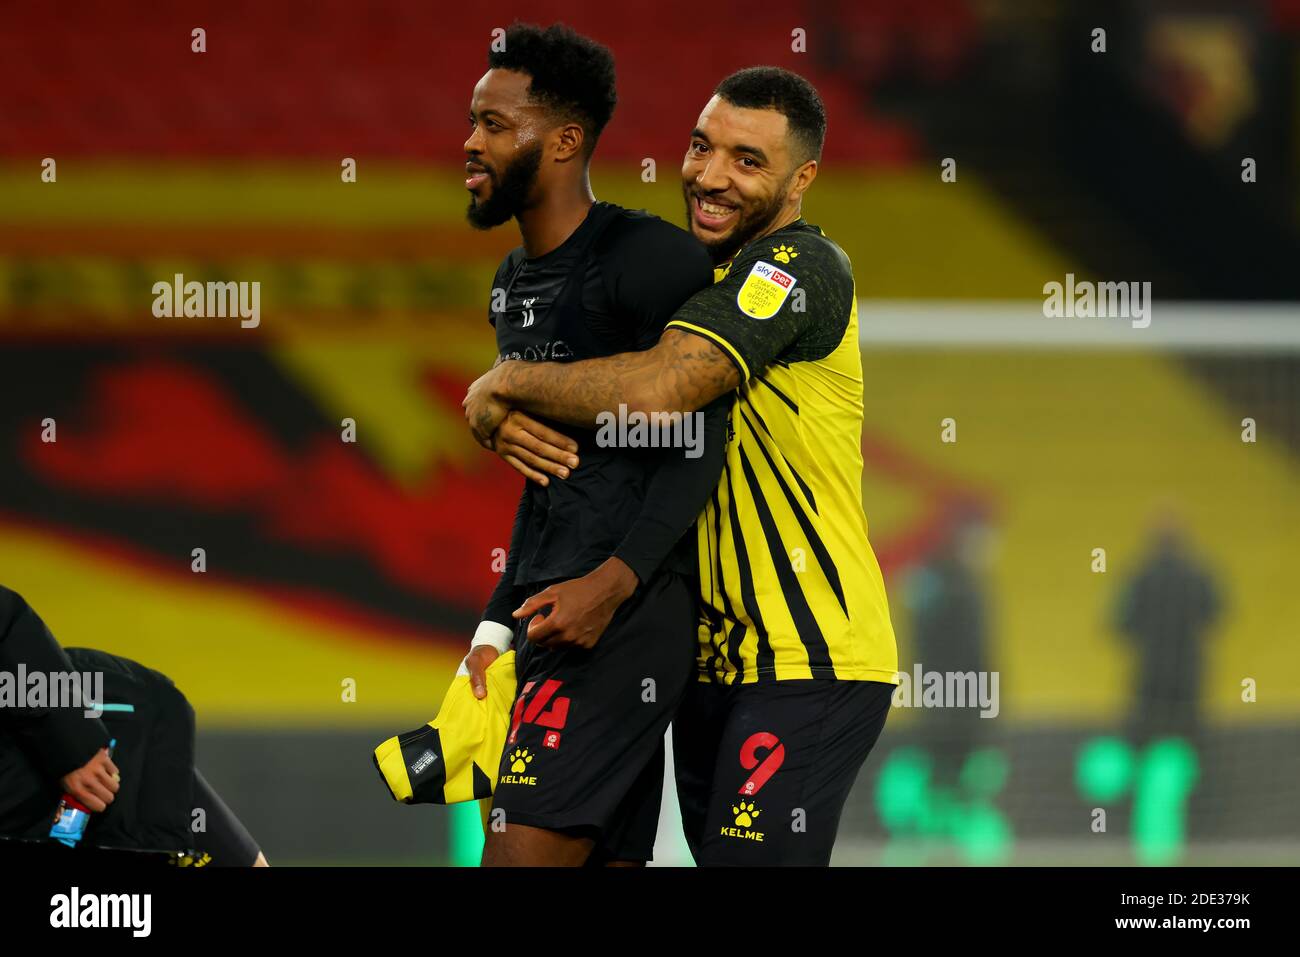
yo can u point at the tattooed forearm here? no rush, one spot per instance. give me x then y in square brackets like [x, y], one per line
[692, 373]
[571, 392]
[682, 373]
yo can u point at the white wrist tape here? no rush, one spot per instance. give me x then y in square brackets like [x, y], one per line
[492, 633]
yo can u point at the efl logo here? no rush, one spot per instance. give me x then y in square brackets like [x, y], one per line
[764, 291]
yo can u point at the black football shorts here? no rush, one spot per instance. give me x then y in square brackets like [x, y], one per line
[585, 750]
[763, 770]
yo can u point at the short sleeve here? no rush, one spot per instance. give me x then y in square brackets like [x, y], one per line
[650, 268]
[782, 298]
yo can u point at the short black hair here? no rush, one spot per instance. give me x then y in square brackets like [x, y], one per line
[572, 75]
[774, 88]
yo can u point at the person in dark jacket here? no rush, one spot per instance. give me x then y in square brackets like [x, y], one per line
[148, 795]
[948, 598]
[1166, 611]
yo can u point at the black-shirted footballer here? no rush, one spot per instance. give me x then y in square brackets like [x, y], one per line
[610, 287]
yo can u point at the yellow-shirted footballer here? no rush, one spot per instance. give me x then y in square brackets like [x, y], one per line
[790, 587]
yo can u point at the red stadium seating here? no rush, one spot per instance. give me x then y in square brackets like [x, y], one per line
[389, 78]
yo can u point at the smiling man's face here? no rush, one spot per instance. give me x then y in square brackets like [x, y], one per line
[504, 150]
[736, 176]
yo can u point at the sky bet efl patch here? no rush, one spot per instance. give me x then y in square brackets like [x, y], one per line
[764, 291]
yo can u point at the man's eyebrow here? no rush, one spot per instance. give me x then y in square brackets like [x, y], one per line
[753, 151]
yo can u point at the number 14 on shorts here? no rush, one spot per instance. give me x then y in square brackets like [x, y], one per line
[535, 711]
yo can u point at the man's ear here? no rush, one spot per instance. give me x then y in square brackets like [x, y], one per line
[568, 142]
[802, 179]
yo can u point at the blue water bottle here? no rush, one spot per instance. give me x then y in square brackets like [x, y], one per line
[71, 818]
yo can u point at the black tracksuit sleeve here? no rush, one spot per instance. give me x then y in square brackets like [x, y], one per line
[56, 740]
[507, 596]
[650, 271]
[677, 493]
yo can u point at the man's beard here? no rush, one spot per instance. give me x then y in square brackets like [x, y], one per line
[509, 196]
[750, 223]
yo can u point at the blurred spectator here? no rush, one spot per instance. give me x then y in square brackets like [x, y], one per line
[1166, 611]
[947, 597]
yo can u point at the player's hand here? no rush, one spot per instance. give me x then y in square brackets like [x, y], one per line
[533, 450]
[580, 609]
[95, 783]
[483, 410]
[477, 662]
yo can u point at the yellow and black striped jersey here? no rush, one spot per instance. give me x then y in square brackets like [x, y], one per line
[790, 586]
[455, 756]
